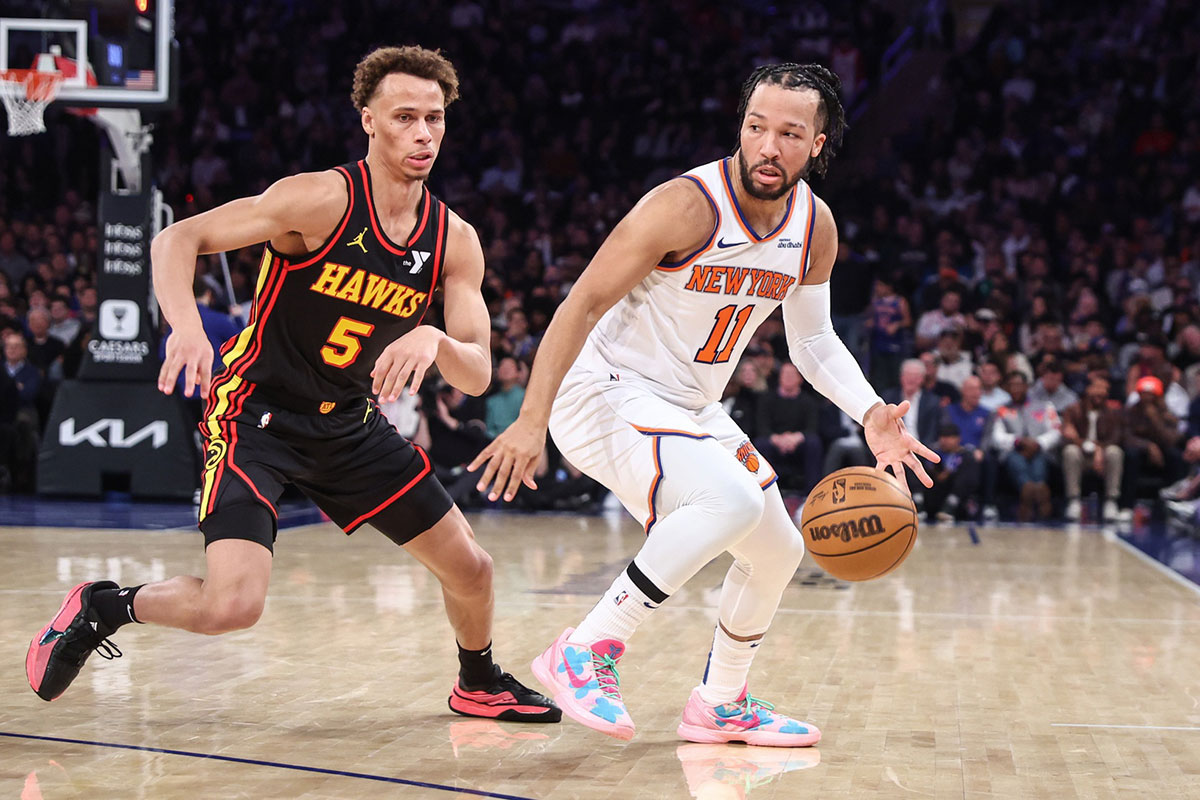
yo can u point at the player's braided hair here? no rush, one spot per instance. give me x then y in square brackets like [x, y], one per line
[831, 119]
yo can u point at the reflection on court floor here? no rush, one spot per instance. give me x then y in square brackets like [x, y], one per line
[996, 663]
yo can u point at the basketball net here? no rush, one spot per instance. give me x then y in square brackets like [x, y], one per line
[26, 93]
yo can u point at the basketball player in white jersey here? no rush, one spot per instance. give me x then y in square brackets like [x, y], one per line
[629, 378]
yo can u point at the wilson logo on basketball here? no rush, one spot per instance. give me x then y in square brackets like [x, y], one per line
[746, 455]
[839, 490]
[850, 529]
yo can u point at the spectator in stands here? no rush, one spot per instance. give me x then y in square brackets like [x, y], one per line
[948, 315]
[1008, 359]
[954, 363]
[26, 376]
[1023, 433]
[1093, 430]
[789, 431]
[457, 431]
[890, 321]
[743, 395]
[969, 416]
[45, 352]
[10, 401]
[924, 411]
[63, 324]
[1049, 387]
[955, 478]
[1152, 437]
[992, 394]
[1151, 360]
[520, 342]
[13, 262]
[504, 404]
[945, 391]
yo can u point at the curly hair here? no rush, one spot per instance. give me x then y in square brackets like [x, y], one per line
[409, 60]
[831, 119]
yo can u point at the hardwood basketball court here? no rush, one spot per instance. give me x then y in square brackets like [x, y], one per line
[998, 663]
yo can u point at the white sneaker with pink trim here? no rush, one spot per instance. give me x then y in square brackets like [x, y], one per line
[583, 680]
[747, 719]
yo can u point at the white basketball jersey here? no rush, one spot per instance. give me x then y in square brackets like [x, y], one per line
[682, 330]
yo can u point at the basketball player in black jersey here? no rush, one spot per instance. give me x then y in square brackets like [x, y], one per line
[353, 256]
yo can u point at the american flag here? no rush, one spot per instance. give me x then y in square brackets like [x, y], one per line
[140, 79]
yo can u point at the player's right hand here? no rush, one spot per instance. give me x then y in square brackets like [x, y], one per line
[189, 351]
[510, 460]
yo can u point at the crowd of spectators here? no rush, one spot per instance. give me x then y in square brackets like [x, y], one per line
[1024, 261]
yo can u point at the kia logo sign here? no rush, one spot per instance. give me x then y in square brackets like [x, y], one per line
[111, 433]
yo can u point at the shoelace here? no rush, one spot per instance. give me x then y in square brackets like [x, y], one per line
[607, 676]
[753, 703]
[107, 649]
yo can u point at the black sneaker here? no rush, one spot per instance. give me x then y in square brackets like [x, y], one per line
[59, 650]
[505, 699]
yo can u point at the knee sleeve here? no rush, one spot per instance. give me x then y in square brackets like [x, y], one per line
[705, 476]
[704, 503]
[765, 561]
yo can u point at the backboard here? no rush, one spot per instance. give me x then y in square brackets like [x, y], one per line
[127, 45]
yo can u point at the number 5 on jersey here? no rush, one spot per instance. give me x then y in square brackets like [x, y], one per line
[343, 345]
[708, 354]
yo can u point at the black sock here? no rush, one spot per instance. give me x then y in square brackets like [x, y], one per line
[115, 606]
[475, 668]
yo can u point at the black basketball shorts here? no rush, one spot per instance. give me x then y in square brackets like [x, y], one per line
[349, 461]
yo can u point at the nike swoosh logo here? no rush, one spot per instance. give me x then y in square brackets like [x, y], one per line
[575, 681]
[744, 724]
[648, 605]
[721, 243]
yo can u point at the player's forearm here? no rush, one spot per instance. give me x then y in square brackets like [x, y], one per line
[821, 356]
[559, 348]
[173, 265]
[464, 365]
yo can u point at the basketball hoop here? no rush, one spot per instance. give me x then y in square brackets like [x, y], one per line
[26, 93]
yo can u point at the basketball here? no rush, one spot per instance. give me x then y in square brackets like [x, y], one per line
[859, 524]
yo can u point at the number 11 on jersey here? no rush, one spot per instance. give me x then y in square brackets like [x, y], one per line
[708, 354]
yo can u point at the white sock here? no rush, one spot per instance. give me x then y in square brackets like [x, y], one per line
[622, 608]
[728, 665]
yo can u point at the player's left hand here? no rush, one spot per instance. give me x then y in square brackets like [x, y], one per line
[893, 445]
[409, 356]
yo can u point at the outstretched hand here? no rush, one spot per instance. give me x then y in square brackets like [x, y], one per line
[189, 352]
[510, 460]
[893, 445]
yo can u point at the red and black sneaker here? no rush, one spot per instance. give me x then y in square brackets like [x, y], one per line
[59, 650]
[505, 699]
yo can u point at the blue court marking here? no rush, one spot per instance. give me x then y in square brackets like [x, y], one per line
[279, 765]
[974, 536]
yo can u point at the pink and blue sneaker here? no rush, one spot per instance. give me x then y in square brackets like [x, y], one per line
[584, 682]
[747, 719]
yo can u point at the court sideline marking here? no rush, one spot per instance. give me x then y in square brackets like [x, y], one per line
[258, 763]
[1153, 562]
[1124, 727]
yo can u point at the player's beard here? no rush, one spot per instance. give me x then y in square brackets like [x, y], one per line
[762, 192]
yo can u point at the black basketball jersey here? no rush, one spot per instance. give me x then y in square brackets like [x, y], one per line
[321, 320]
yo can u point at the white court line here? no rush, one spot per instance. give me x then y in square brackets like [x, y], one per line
[1158, 565]
[1124, 727]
